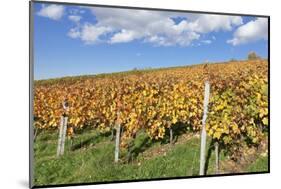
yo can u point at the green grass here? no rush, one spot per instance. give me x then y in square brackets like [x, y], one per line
[260, 165]
[92, 160]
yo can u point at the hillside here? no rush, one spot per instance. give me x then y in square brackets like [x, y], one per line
[159, 116]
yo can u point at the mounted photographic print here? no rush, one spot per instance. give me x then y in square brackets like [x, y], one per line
[123, 94]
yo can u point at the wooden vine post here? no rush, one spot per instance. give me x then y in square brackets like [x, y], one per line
[62, 130]
[217, 157]
[117, 143]
[203, 132]
[171, 135]
[117, 136]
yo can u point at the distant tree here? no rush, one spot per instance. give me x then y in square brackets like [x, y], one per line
[233, 60]
[253, 56]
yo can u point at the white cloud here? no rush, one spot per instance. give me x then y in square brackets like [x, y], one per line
[206, 41]
[158, 28]
[209, 23]
[74, 18]
[250, 32]
[54, 12]
[74, 33]
[184, 39]
[76, 11]
[124, 36]
[89, 33]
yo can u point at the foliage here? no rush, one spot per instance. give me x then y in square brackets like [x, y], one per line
[154, 101]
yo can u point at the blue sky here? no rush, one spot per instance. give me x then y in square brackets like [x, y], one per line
[75, 40]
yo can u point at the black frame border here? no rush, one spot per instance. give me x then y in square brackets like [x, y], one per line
[31, 78]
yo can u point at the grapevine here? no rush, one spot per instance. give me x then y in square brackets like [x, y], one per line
[156, 100]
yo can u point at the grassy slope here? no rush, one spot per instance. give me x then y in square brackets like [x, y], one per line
[92, 160]
[261, 164]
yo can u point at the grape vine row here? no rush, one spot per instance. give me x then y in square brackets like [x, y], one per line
[157, 100]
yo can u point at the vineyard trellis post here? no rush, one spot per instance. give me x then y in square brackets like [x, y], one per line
[203, 132]
[62, 131]
[112, 135]
[117, 140]
[62, 134]
[217, 157]
[171, 135]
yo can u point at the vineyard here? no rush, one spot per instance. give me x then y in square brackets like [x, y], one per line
[162, 103]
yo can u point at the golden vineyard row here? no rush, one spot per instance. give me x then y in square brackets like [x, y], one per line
[156, 100]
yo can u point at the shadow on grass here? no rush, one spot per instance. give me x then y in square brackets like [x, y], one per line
[137, 146]
[79, 143]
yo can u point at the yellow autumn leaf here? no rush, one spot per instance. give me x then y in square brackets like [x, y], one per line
[265, 121]
[217, 135]
[174, 120]
[235, 128]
